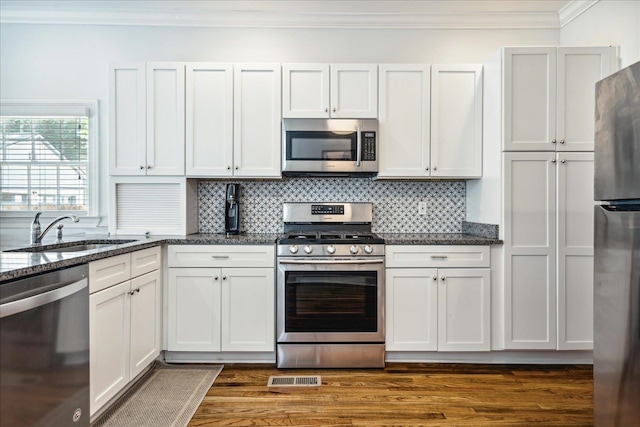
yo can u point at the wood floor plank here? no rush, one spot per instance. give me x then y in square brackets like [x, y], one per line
[404, 394]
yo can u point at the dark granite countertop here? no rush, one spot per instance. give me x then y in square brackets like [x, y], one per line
[14, 265]
[436, 239]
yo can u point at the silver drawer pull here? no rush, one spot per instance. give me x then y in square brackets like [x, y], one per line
[443, 257]
[220, 256]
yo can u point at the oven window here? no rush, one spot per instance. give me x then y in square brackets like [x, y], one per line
[318, 145]
[324, 301]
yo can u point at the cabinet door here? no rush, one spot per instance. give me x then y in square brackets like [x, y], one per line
[529, 98]
[579, 68]
[146, 305]
[305, 91]
[464, 310]
[209, 119]
[411, 304]
[456, 121]
[529, 248]
[257, 121]
[405, 105]
[109, 327]
[248, 309]
[575, 251]
[127, 119]
[165, 118]
[354, 91]
[193, 317]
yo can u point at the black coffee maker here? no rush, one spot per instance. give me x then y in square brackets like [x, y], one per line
[232, 209]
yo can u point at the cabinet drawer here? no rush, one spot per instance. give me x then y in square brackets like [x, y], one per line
[109, 271]
[412, 256]
[221, 256]
[145, 261]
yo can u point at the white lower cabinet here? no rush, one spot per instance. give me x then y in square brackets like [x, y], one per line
[218, 308]
[124, 323]
[429, 308]
[548, 249]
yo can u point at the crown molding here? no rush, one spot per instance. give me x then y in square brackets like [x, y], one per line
[344, 14]
[573, 9]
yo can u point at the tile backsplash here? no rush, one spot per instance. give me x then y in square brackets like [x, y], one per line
[395, 203]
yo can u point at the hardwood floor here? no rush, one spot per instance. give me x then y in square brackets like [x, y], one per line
[405, 394]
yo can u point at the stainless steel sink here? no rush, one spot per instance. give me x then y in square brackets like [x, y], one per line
[78, 246]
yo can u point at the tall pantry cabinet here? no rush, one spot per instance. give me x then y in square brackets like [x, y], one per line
[548, 117]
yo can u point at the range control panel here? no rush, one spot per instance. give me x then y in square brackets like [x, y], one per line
[368, 145]
[327, 209]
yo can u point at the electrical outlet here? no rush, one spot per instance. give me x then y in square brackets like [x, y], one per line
[422, 208]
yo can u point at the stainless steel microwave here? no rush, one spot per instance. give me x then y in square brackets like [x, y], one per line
[334, 147]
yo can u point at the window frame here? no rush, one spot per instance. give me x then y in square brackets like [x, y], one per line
[17, 107]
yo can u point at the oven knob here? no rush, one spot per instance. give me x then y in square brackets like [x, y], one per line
[293, 249]
[368, 249]
[354, 249]
[308, 249]
[331, 249]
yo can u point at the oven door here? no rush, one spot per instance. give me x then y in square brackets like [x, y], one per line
[330, 300]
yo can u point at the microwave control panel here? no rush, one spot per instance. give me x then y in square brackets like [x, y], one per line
[368, 145]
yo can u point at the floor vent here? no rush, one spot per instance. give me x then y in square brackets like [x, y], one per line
[313, 381]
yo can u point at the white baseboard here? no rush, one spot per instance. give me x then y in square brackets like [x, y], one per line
[535, 357]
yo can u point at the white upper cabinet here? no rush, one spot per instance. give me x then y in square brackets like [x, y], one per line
[347, 91]
[209, 119]
[549, 96]
[257, 120]
[403, 125]
[305, 91]
[127, 119]
[456, 121]
[147, 119]
[430, 121]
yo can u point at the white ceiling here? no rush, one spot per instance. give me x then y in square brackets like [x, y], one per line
[300, 13]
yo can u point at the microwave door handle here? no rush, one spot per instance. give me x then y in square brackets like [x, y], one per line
[358, 146]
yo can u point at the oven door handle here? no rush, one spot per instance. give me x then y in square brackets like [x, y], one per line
[331, 261]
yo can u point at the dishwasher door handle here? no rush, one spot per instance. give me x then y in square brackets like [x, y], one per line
[21, 305]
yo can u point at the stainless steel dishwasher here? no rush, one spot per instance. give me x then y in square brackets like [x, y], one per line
[44, 349]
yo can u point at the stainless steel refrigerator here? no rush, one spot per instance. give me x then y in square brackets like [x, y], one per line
[616, 354]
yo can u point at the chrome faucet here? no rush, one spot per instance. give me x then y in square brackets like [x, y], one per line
[36, 236]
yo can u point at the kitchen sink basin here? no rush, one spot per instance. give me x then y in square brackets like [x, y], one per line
[79, 246]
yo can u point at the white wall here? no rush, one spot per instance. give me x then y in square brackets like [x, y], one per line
[608, 22]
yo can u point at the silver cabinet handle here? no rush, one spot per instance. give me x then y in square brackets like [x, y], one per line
[326, 110]
[443, 278]
[215, 278]
[228, 167]
[220, 256]
[435, 168]
[427, 168]
[141, 167]
[149, 167]
[334, 109]
[224, 277]
[562, 161]
[237, 167]
[435, 277]
[441, 257]
[22, 305]
[553, 160]
[553, 141]
[562, 141]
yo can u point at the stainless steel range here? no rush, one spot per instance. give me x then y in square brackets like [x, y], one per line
[330, 287]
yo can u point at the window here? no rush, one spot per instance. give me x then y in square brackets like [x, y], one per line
[46, 152]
